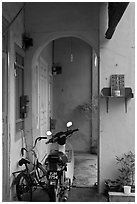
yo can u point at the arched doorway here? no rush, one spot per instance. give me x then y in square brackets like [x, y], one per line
[58, 103]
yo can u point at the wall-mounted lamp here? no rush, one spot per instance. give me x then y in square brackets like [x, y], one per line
[95, 60]
[26, 41]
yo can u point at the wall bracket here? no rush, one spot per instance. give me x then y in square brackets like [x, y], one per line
[106, 93]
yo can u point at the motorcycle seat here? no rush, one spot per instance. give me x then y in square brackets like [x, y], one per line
[57, 156]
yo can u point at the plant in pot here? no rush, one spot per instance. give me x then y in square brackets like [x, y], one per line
[126, 179]
[127, 171]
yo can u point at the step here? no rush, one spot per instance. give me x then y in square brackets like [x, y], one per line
[121, 197]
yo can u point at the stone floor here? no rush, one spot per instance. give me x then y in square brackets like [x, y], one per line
[76, 194]
[83, 189]
[85, 170]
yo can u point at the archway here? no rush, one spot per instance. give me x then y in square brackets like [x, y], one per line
[94, 86]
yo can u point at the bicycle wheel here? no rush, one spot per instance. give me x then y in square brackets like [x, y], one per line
[23, 188]
[41, 177]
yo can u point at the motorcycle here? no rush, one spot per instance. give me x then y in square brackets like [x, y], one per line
[59, 166]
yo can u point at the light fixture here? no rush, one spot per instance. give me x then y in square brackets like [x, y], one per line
[71, 57]
[71, 53]
[95, 61]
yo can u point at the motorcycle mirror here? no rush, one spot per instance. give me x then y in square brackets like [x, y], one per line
[69, 124]
[49, 133]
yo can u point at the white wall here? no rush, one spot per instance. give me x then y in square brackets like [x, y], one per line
[117, 128]
[50, 17]
[50, 20]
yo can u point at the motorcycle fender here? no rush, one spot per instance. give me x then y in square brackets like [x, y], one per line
[70, 164]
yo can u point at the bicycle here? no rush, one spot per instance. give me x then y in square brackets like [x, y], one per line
[28, 179]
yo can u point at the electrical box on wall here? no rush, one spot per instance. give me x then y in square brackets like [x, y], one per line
[24, 106]
[56, 69]
[52, 124]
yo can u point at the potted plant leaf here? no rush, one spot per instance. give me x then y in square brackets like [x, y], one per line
[127, 171]
[126, 179]
[89, 107]
[89, 110]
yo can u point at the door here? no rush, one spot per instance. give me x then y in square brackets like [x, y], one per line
[5, 140]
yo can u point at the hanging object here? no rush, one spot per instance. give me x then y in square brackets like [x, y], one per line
[71, 53]
[71, 57]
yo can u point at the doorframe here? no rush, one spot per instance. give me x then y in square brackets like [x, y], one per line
[18, 50]
[56, 35]
[5, 115]
[5, 136]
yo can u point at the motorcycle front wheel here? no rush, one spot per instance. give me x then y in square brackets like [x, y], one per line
[54, 193]
[23, 188]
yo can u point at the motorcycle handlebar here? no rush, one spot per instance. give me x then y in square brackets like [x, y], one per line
[69, 132]
[59, 134]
